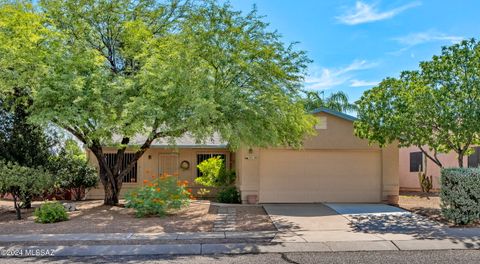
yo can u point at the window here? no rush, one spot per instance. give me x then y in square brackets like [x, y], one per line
[205, 156]
[322, 123]
[131, 177]
[416, 161]
[474, 159]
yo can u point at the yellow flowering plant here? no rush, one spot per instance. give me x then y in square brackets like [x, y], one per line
[158, 196]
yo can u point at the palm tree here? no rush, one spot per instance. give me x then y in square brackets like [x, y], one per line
[337, 101]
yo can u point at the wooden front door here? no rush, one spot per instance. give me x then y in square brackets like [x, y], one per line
[168, 164]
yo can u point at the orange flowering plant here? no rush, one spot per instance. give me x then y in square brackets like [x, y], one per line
[158, 196]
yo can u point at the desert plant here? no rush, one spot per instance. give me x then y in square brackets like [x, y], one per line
[426, 182]
[158, 196]
[23, 183]
[50, 212]
[460, 194]
[229, 195]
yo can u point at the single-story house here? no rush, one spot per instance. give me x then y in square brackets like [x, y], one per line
[411, 162]
[332, 166]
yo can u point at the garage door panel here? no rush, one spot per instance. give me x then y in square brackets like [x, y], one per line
[320, 176]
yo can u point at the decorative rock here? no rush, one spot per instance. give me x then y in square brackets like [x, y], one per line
[70, 207]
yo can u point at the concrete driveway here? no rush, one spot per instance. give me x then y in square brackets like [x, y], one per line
[305, 217]
[312, 223]
[349, 222]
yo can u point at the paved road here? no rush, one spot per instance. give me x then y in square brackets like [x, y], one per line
[391, 257]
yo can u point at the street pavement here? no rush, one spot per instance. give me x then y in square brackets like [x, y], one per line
[390, 257]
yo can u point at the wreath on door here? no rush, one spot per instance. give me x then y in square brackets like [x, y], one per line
[185, 165]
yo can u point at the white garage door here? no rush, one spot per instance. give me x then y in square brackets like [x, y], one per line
[289, 176]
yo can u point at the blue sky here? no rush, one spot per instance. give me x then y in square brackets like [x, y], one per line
[355, 44]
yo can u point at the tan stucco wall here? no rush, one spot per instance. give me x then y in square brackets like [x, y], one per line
[409, 180]
[247, 169]
[148, 167]
[334, 165]
[337, 135]
[390, 180]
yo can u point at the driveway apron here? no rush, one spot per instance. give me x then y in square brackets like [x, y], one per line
[350, 222]
[390, 222]
[312, 223]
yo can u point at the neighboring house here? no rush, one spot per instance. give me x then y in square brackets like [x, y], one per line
[333, 166]
[410, 160]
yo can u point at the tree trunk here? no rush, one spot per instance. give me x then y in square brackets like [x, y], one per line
[112, 175]
[78, 193]
[109, 179]
[111, 195]
[17, 207]
[112, 190]
[460, 160]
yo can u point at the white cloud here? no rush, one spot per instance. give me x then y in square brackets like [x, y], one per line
[325, 78]
[364, 13]
[424, 37]
[362, 83]
[419, 38]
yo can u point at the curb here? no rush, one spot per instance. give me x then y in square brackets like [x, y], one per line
[232, 248]
[136, 236]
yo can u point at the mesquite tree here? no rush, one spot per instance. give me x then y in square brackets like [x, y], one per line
[123, 69]
[437, 106]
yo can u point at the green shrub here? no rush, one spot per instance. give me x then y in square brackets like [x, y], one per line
[158, 196]
[74, 174]
[214, 173]
[460, 195]
[229, 195]
[50, 213]
[80, 180]
[23, 183]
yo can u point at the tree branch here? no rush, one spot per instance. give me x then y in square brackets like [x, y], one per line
[120, 155]
[146, 145]
[97, 150]
[433, 158]
[77, 134]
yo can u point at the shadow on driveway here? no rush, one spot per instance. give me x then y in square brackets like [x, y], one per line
[390, 222]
